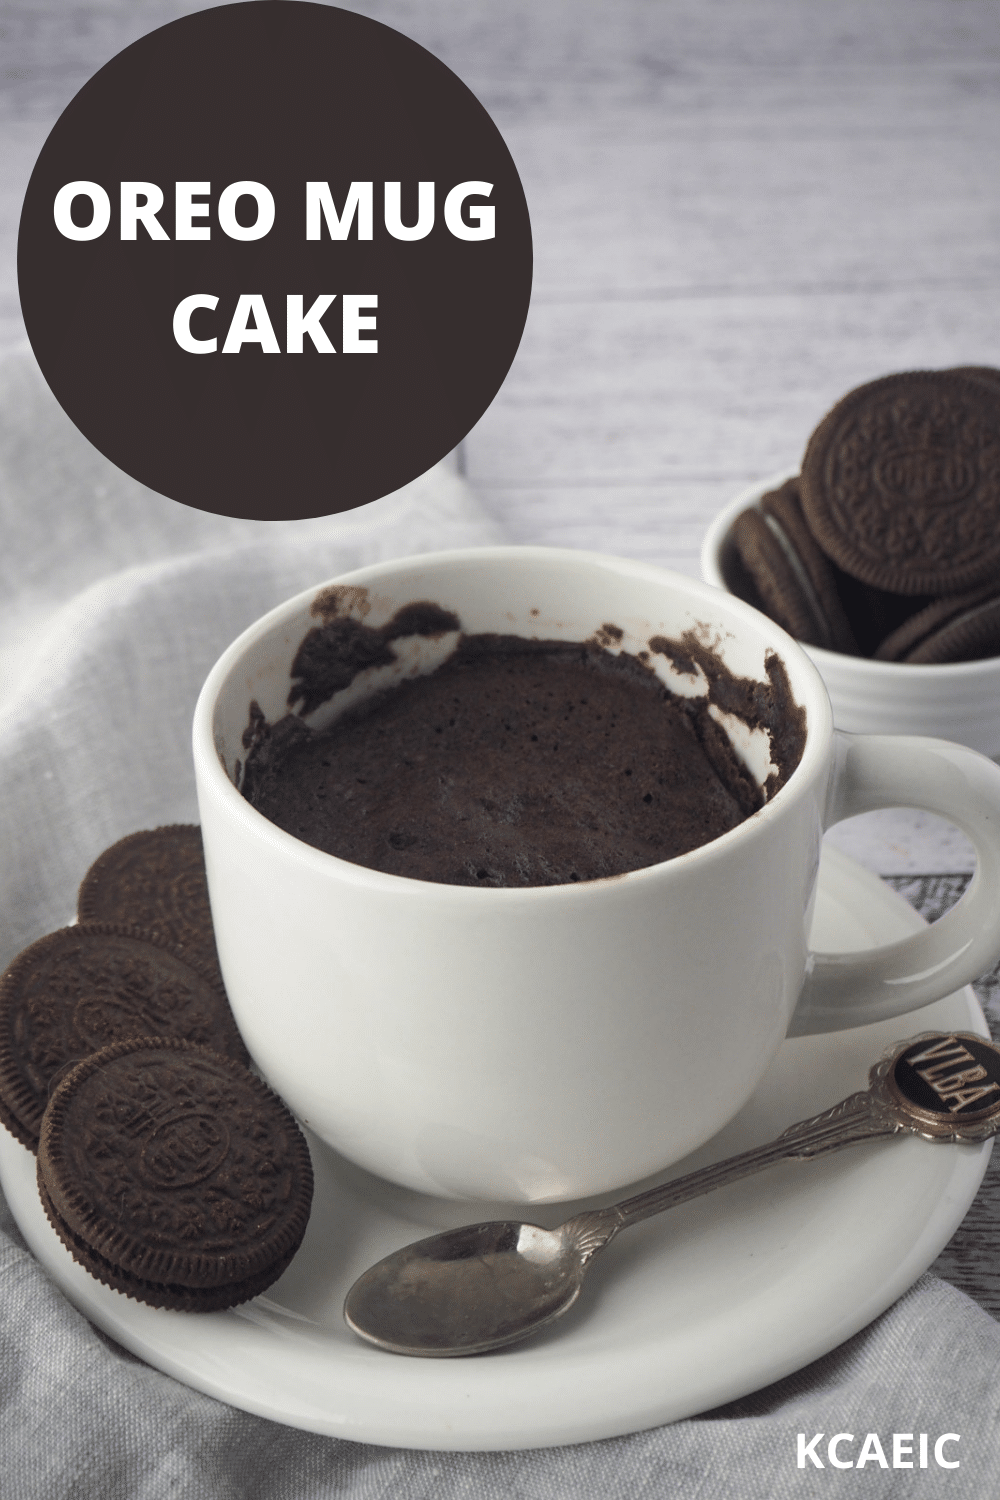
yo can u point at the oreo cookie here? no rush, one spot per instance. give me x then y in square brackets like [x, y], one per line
[75, 991]
[980, 372]
[792, 577]
[174, 1175]
[963, 627]
[154, 879]
[900, 483]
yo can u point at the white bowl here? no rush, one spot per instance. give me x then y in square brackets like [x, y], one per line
[957, 701]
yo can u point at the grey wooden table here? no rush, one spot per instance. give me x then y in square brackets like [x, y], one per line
[740, 211]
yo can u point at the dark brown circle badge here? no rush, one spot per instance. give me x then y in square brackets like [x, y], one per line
[275, 260]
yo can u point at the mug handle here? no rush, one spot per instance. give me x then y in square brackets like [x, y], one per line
[887, 770]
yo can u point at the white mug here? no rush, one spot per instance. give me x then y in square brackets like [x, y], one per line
[552, 1042]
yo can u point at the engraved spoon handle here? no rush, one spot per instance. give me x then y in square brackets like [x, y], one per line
[944, 1087]
[856, 1118]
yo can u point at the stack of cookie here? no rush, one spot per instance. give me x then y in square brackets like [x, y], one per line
[165, 1165]
[887, 544]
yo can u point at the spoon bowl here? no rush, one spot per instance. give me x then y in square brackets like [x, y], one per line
[467, 1290]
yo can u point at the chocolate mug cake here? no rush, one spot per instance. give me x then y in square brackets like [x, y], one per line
[516, 763]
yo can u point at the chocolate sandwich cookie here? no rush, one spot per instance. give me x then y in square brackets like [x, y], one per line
[962, 627]
[979, 372]
[154, 879]
[900, 483]
[78, 989]
[793, 580]
[174, 1175]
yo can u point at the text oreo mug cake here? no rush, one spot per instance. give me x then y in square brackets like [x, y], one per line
[882, 555]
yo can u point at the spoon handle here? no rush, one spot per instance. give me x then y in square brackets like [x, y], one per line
[939, 1086]
[856, 1118]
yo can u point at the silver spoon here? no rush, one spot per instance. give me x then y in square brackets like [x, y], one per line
[483, 1286]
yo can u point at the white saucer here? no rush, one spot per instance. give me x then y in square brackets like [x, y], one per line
[681, 1314]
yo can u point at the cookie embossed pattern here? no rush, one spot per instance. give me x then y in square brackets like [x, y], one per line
[154, 879]
[174, 1174]
[901, 483]
[81, 988]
